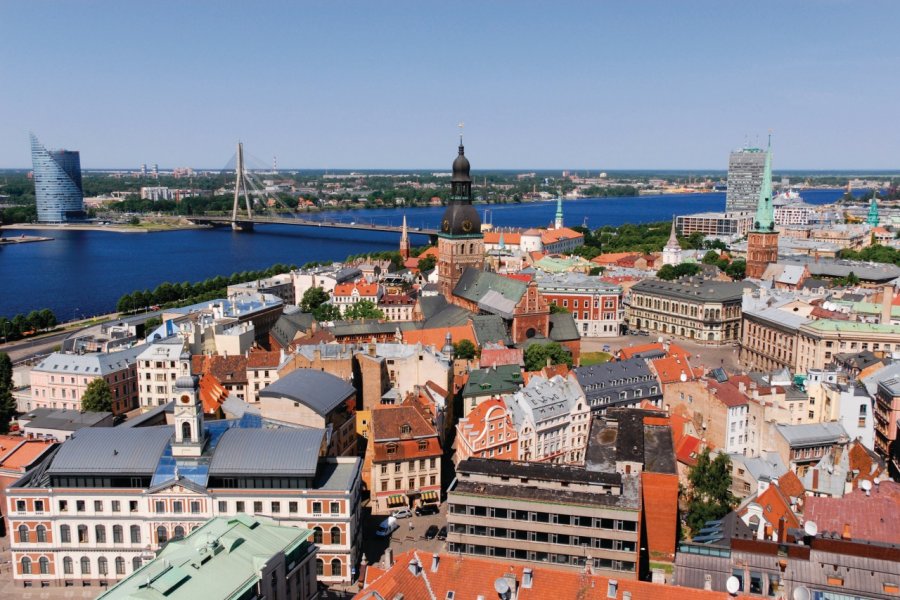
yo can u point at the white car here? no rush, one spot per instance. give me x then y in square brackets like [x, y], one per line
[402, 513]
[387, 527]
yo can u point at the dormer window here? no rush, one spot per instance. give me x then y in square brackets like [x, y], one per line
[392, 448]
[405, 429]
[422, 444]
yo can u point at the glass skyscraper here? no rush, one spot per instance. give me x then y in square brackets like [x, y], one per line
[57, 183]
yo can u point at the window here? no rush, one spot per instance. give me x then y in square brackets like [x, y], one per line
[20, 506]
[82, 534]
[276, 507]
[102, 566]
[117, 534]
[100, 533]
[65, 534]
[98, 505]
[178, 533]
[39, 506]
[335, 508]
[23, 533]
[132, 505]
[320, 566]
[85, 565]
[257, 507]
[336, 567]
[135, 563]
[116, 506]
[162, 536]
[41, 533]
[160, 506]
[317, 535]
[317, 508]
[396, 467]
[26, 565]
[223, 506]
[120, 565]
[335, 535]
[63, 506]
[68, 567]
[135, 534]
[177, 507]
[292, 507]
[239, 506]
[431, 463]
[195, 507]
[384, 469]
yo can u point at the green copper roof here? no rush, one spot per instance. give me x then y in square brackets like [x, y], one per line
[851, 327]
[765, 211]
[220, 559]
[872, 219]
[559, 211]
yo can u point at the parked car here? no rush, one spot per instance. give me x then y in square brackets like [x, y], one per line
[606, 348]
[387, 527]
[442, 534]
[431, 533]
[642, 332]
[427, 509]
[402, 513]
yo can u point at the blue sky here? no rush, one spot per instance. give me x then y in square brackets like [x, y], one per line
[332, 84]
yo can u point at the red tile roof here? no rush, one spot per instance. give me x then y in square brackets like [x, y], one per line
[728, 394]
[510, 238]
[262, 359]
[437, 337]
[227, 369]
[17, 453]
[791, 485]
[365, 290]
[775, 505]
[470, 577]
[862, 517]
[549, 236]
[502, 356]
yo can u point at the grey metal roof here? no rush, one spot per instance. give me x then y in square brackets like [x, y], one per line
[475, 285]
[490, 329]
[618, 382]
[267, 451]
[812, 434]
[93, 364]
[112, 450]
[287, 326]
[320, 391]
[563, 328]
[693, 289]
[866, 271]
[62, 419]
[543, 400]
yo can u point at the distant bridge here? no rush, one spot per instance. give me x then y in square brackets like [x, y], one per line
[246, 224]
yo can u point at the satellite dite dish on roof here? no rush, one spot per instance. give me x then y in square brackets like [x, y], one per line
[866, 486]
[733, 585]
[810, 528]
[501, 586]
[801, 592]
[683, 377]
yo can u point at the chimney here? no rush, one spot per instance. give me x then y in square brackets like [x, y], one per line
[782, 525]
[887, 301]
[388, 558]
[845, 534]
[527, 578]
[435, 561]
[513, 586]
[414, 567]
[612, 588]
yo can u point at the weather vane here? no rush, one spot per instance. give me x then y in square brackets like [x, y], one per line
[461, 125]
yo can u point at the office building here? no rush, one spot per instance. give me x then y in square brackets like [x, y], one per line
[745, 177]
[57, 183]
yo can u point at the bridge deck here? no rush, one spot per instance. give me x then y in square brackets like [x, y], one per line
[311, 223]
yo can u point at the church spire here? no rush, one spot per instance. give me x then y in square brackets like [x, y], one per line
[765, 211]
[404, 240]
[873, 219]
[558, 222]
[673, 237]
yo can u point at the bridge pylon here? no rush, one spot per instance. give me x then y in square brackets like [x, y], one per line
[240, 187]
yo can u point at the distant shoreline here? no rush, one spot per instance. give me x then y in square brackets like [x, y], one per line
[107, 228]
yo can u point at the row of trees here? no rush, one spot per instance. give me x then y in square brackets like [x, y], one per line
[168, 293]
[7, 404]
[21, 325]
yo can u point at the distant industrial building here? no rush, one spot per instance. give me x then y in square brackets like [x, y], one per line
[745, 176]
[57, 183]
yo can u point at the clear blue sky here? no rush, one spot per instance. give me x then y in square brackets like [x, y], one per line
[331, 84]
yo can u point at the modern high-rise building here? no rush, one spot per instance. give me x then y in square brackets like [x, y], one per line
[57, 183]
[745, 176]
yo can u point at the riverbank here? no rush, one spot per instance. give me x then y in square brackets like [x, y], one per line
[141, 228]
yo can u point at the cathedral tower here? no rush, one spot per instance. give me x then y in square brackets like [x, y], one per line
[762, 241]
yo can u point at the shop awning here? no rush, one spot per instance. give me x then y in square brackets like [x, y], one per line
[396, 500]
[430, 497]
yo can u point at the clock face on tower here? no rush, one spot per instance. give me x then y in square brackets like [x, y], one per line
[446, 225]
[185, 399]
[467, 226]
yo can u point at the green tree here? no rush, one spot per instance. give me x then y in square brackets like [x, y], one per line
[709, 495]
[711, 258]
[427, 263]
[313, 298]
[557, 309]
[97, 396]
[464, 349]
[326, 312]
[7, 402]
[536, 356]
[48, 319]
[737, 269]
[364, 309]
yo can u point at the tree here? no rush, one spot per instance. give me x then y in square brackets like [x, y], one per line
[557, 309]
[97, 396]
[313, 298]
[364, 309]
[48, 319]
[711, 258]
[709, 496]
[464, 349]
[326, 312]
[737, 269]
[427, 263]
[7, 402]
[536, 356]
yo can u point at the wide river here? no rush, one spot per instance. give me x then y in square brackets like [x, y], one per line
[83, 273]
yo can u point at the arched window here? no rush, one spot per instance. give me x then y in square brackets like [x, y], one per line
[68, 567]
[23, 533]
[320, 567]
[82, 534]
[100, 533]
[135, 534]
[44, 565]
[186, 430]
[335, 535]
[85, 565]
[41, 533]
[179, 533]
[102, 567]
[117, 534]
[162, 536]
[317, 535]
[135, 563]
[336, 567]
[120, 565]
[26, 565]
[65, 534]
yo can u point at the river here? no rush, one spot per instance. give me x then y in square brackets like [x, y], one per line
[83, 273]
